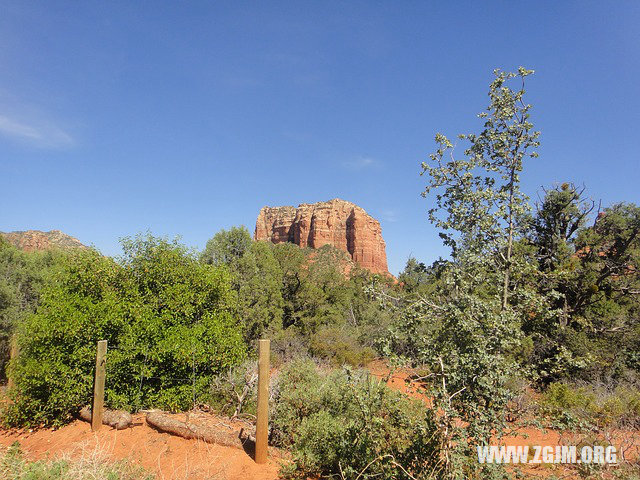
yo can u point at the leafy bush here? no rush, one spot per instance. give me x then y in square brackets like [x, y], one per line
[340, 346]
[345, 423]
[466, 341]
[22, 276]
[168, 320]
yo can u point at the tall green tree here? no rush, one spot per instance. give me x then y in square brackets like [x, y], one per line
[468, 327]
[227, 246]
[258, 280]
[479, 196]
[292, 260]
[561, 215]
[610, 256]
[589, 275]
[414, 275]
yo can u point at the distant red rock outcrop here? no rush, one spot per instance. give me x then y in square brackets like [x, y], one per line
[342, 224]
[31, 240]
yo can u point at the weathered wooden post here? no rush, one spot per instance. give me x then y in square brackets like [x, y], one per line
[98, 386]
[262, 423]
[12, 356]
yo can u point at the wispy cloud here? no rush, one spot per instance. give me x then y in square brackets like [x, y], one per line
[360, 163]
[389, 215]
[42, 134]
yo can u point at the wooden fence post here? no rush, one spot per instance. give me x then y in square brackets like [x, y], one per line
[262, 422]
[98, 386]
[12, 356]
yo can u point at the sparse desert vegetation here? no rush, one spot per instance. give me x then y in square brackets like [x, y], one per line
[93, 465]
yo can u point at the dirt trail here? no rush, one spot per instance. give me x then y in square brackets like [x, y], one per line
[169, 457]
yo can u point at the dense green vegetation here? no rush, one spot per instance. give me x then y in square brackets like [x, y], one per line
[592, 405]
[165, 316]
[22, 276]
[301, 298]
[174, 321]
[541, 295]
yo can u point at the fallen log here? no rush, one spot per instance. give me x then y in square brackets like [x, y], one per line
[118, 419]
[164, 423]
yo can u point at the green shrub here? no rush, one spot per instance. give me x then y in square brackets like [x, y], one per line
[592, 404]
[345, 423]
[168, 320]
[561, 396]
[22, 276]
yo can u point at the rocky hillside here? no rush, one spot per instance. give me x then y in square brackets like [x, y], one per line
[31, 240]
[336, 222]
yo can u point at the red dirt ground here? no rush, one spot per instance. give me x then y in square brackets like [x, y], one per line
[168, 456]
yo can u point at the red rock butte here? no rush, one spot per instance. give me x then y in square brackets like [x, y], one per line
[32, 240]
[342, 224]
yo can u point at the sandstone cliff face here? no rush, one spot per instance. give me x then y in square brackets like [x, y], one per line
[31, 240]
[336, 222]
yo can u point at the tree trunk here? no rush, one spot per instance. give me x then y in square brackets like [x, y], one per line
[507, 270]
[165, 423]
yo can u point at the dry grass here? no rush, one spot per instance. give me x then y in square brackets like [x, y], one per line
[93, 464]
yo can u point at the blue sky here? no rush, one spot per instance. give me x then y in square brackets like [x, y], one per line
[187, 117]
